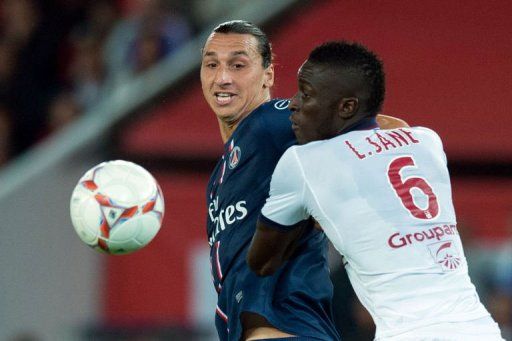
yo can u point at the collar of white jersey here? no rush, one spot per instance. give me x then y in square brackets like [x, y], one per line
[368, 123]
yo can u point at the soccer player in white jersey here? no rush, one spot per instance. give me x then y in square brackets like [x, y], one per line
[383, 198]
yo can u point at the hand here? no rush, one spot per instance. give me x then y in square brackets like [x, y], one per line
[316, 225]
[390, 122]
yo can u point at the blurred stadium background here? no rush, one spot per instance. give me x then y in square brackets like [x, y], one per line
[86, 81]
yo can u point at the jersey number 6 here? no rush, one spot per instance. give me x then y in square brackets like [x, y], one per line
[403, 189]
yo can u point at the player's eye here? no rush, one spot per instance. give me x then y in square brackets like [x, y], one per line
[305, 95]
[210, 65]
[238, 66]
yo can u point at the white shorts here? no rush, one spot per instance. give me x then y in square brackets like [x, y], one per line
[477, 330]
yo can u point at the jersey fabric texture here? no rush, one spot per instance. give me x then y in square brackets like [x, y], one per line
[383, 197]
[297, 299]
[475, 330]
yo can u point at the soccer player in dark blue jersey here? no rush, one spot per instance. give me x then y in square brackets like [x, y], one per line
[236, 76]
[295, 302]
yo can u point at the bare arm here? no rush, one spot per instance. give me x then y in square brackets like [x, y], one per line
[390, 122]
[271, 247]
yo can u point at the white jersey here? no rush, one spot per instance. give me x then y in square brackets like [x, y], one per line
[383, 197]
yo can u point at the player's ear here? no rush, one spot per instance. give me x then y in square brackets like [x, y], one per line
[348, 107]
[268, 81]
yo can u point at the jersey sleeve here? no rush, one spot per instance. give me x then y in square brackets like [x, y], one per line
[437, 139]
[285, 205]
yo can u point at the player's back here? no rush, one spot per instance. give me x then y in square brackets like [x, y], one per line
[384, 199]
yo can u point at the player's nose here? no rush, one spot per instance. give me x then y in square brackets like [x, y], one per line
[222, 76]
[293, 106]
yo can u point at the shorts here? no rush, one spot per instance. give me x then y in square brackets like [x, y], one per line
[296, 299]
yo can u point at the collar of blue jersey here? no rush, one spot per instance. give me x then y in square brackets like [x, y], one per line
[246, 119]
[365, 124]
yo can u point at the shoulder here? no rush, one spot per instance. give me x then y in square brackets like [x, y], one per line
[288, 169]
[274, 113]
[313, 147]
[307, 154]
[271, 122]
[428, 133]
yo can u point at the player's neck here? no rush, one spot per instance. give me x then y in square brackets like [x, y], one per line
[361, 124]
[227, 128]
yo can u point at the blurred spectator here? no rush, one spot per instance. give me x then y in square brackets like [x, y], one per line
[62, 111]
[86, 71]
[155, 29]
[20, 19]
[6, 72]
[84, 74]
[500, 297]
[490, 269]
[56, 57]
[101, 15]
[7, 67]
[33, 32]
[148, 49]
[5, 134]
[207, 12]
[500, 307]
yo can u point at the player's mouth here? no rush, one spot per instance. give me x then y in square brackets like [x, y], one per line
[295, 126]
[223, 98]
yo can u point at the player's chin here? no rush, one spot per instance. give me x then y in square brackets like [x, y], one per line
[227, 115]
[297, 133]
[300, 138]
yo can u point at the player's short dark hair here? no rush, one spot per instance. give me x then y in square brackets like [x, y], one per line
[358, 60]
[245, 27]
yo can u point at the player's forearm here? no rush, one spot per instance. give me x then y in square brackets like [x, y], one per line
[267, 251]
[261, 262]
[263, 267]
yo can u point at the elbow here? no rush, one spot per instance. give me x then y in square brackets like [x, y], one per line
[261, 269]
[266, 270]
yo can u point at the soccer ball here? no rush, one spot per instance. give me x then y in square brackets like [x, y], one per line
[117, 207]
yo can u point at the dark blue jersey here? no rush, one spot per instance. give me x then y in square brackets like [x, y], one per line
[240, 182]
[236, 192]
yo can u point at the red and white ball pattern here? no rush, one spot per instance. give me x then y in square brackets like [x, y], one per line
[117, 207]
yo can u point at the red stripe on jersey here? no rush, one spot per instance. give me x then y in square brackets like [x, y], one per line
[221, 314]
[217, 261]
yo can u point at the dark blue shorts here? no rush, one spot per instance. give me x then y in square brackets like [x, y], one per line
[296, 299]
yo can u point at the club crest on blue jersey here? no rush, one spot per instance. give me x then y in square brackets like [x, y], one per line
[234, 155]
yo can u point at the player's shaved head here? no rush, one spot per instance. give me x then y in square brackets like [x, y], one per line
[245, 27]
[362, 69]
